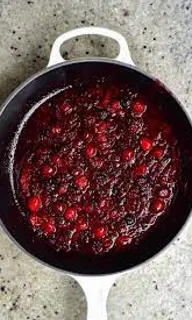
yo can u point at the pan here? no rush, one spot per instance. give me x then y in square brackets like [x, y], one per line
[95, 274]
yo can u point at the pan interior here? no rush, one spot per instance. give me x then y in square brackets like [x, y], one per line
[37, 89]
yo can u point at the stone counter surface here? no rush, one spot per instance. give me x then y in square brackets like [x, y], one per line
[159, 34]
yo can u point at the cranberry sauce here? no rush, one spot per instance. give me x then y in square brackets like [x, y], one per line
[101, 168]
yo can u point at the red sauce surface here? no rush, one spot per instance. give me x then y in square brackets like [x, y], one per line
[101, 168]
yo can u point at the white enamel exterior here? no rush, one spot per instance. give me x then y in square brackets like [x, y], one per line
[96, 289]
[123, 56]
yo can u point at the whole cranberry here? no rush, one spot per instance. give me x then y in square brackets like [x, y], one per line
[158, 152]
[34, 203]
[138, 108]
[81, 224]
[122, 240]
[91, 151]
[127, 154]
[145, 143]
[48, 227]
[70, 214]
[81, 181]
[100, 232]
[157, 205]
[61, 190]
[47, 171]
[140, 170]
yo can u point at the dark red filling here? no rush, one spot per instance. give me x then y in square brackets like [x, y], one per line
[101, 168]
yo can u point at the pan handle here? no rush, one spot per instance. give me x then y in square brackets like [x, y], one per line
[96, 290]
[123, 56]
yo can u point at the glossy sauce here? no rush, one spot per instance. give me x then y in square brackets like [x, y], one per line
[101, 168]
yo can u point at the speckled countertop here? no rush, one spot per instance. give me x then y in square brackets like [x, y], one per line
[159, 34]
